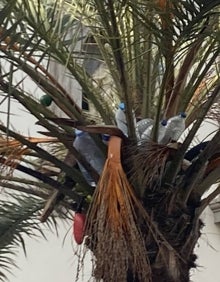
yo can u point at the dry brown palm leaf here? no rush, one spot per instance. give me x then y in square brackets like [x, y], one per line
[112, 228]
[13, 150]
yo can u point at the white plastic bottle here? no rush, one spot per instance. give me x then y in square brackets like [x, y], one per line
[121, 119]
[142, 125]
[86, 146]
[174, 129]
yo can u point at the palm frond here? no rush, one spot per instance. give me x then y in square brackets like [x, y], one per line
[18, 219]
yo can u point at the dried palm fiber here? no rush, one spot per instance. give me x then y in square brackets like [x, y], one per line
[112, 230]
[13, 149]
[151, 159]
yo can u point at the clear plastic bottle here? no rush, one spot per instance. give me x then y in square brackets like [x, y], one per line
[174, 129]
[146, 135]
[86, 146]
[142, 125]
[121, 119]
[162, 131]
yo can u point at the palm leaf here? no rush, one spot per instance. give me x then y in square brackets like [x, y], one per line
[18, 219]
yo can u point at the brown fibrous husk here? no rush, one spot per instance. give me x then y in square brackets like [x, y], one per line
[112, 228]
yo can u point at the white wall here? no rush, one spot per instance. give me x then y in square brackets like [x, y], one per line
[208, 247]
[208, 251]
[51, 260]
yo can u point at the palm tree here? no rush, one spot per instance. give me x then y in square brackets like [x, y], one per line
[158, 58]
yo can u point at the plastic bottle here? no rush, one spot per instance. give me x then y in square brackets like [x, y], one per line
[174, 129]
[86, 146]
[121, 119]
[146, 135]
[142, 125]
[161, 131]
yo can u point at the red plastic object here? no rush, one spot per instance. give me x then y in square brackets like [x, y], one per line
[78, 227]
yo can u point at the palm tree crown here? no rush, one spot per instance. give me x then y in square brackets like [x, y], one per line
[147, 71]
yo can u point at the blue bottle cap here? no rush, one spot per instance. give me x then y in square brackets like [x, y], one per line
[164, 122]
[78, 132]
[122, 106]
[183, 114]
[105, 137]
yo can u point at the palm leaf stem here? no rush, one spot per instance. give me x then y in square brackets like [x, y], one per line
[195, 170]
[85, 81]
[198, 76]
[54, 88]
[36, 112]
[199, 99]
[168, 50]
[24, 181]
[146, 22]
[106, 58]
[9, 95]
[147, 91]
[155, 81]
[27, 57]
[174, 98]
[7, 10]
[67, 105]
[134, 53]
[27, 190]
[118, 55]
[206, 201]
[73, 173]
[116, 45]
[211, 178]
[160, 101]
[50, 181]
[39, 111]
